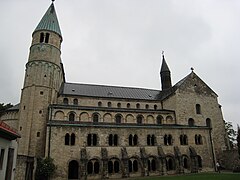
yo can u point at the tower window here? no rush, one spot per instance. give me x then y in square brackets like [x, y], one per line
[198, 108]
[155, 107]
[92, 140]
[41, 37]
[168, 140]
[71, 117]
[118, 118]
[128, 105]
[41, 92]
[159, 119]
[139, 119]
[38, 134]
[119, 105]
[208, 122]
[95, 118]
[47, 37]
[147, 106]
[109, 104]
[99, 104]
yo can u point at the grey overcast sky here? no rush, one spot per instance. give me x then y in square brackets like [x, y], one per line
[119, 42]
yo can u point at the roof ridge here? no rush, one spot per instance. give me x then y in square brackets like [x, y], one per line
[115, 86]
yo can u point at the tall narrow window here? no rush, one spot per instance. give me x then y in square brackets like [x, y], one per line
[130, 166]
[71, 117]
[110, 140]
[65, 101]
[73, 170]
[67, 139]
[155, 107]
[95, 118]
[135, 140]
[75, 101]
[115, 140]
[135, 165]
[41, 37]
[109, 104]
[94, 142]
[191, 122]
[119, 105]
[138, 106]
[47, 37]
[130, 140]
[139, 119]
[159, 120]
[118, 118]
[198, 109]
[72, 139]
[208, 122]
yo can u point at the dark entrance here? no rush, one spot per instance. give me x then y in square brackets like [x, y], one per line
[73, 170]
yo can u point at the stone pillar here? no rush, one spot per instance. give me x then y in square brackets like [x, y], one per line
[194, 160]
[162, 159]
[144, 159]
[105, 163]
[83, 163]
[178, 157]
[125, 172]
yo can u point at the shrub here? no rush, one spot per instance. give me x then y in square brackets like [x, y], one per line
[45, 168]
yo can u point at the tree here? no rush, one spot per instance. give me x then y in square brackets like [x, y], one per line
[45, 168]
[231, 133]
[238, 141]
[3, 107]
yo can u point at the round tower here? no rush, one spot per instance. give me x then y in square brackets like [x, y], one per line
[43, 78]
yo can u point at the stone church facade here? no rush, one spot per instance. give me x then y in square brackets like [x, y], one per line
[98, 131]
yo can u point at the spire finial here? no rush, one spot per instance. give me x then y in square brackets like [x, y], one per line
[192, 69]
[53, 0]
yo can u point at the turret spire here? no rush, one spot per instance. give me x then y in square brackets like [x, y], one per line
[165, 74]
[49, 21]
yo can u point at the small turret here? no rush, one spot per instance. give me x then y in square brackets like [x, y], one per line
[165, 75]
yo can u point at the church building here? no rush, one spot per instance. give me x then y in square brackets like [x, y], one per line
[96, 131]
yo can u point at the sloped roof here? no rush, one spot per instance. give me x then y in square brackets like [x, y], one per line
[8, 132]
[104, 91]
[49, 21]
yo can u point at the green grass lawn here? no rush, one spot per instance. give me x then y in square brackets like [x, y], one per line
[199, 176]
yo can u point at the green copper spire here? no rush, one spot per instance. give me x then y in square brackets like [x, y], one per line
[49, 21]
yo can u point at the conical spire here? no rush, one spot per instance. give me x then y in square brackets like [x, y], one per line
[165, 75]
[164, 67]
[49, 21]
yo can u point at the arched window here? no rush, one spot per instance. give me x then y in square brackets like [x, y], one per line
[170, 164]
[167, 139]
[110, 167]
[41, 37]
[198, 139]
[115, 140]
[152, 165]
[208, 122]
[130, 166]
[75, 102]
[138, 106]
[185, 162]
[135, 140]
[183, 139]
[191, 122]
[65, 101]
[198, 108]
[73, 170]
[67, 139]
[110, 140]
[130, 140]
[128, 105]
[139, 119]
[99, 104]
[109, 104]
[155, 107]
[116, 166]
[95, 117]
[73, 139]
[96, 167]
[90, 167]
[135, 165]
[148, 140]
[159, 119]
[71, 116]
[47, 37]
[147, 106]
[119, 105]
[199, 161]
[118, 118]
[92, 140]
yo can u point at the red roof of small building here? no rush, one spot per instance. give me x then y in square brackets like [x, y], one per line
[8, 132]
